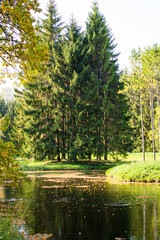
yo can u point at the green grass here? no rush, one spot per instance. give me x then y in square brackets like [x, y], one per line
[129, 169]
[8, 231]
[27, 165]
[148, 171]
[139, 156]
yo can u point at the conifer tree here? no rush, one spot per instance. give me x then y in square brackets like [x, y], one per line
[108, 105]
[18, 135]
[75, 107]
[39, 96]
[70, 81]
[51, 34]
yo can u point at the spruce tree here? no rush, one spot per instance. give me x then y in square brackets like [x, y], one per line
[109, 107]
[18, 135]
[51, 34]
[40, 95]
[74, 107]
[70, 81]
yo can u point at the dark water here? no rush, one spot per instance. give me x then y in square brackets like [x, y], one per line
[88, 209]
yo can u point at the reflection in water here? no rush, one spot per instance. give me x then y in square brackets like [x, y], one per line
[80, 209]
[144, 221]
[2, 194]
[155, 222]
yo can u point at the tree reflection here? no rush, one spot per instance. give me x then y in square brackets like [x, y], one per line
[79, 209]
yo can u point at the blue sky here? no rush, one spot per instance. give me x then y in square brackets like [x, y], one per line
[134, 23]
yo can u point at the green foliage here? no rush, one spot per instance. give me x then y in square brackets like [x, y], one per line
[18, 135]
[74, 108]
[137, 156]
[109, 108]
[8, 166]
[8, 231]
[3, 107]
[20, 46]
[70, 74]
[37, 122]
[26, 165]
[136, 172]
[143, 78]
[7, 110]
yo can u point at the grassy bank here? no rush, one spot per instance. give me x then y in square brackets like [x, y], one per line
[136, 172]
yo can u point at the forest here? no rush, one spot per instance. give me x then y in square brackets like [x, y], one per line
[74, 103]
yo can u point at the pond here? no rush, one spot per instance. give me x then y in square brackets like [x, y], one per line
[80, 206]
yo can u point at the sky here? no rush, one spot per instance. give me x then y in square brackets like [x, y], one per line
[133, 23]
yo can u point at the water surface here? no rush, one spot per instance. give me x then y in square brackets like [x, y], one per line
[79, 206]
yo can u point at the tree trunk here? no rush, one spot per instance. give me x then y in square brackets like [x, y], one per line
[57, 147]
[105, 138]
[158, 113]
[143, 147]
[152, 123]
[63, 138]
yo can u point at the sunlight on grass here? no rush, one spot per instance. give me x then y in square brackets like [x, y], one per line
[136, 172]
[49, 166]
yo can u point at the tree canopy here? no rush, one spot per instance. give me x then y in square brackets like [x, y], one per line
[19, 45]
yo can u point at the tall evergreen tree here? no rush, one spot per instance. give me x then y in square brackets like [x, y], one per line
[18, 135]
[52, 28]
[39, 97]
[109, 107]
[70, 80]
